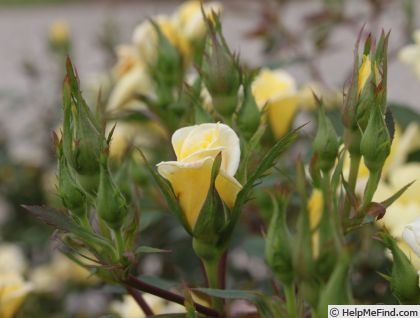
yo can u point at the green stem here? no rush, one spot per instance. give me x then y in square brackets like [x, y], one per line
[289, 292]
[331, 216]
[212, 272]
[210, 256]
[354, 171]
[371, 186]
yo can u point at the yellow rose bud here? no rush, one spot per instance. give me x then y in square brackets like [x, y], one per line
[146, 39]
[59, 32]
[127, 57]
[135, 82]
[189, 20]
[364, 73]
[315, 208]
[13, 291]
[190, 176]
[277, 90]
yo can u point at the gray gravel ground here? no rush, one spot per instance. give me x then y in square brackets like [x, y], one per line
[23, 37]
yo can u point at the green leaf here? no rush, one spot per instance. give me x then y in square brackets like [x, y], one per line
[266, 163]
[396, 195]
[64, 223]
[265, 307]
[149, 249]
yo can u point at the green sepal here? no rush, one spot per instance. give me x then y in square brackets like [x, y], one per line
[278, 249]
[83, 138]
[248, 118]
[111, 205]
[337, 289]
[214, 215]
[404, 278]
[325, 142]
[375, 144]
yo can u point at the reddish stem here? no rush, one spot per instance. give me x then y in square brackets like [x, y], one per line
[136, 283]
[140, 301]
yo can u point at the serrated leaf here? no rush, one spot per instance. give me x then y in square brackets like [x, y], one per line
[149, 249]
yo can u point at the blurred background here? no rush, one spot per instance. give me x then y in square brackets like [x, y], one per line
[312, 39]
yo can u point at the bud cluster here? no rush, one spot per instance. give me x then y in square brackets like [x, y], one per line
[84, 179]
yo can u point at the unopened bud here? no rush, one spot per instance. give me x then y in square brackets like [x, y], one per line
[278, 249]
[69, 191]
[404, 278]
[82, 138]
[375, 145]
[326, 142]
[110, 205]
[221, 74]
[169, 68]
[249, 114]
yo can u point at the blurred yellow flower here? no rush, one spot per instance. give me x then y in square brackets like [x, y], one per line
[134, 134]
[127, 58]
[402, 213]
[410, 54]
[128, 307]
[189, 20]
[277, 89]
[145, 38]
[59, 32]
[195, 148]
[136, 81]
[315, 208]
[13, 291]
[307, 100]
[12, 259]
[407, 208]
[52, 276]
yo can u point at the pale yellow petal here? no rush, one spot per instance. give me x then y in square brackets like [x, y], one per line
[404, 175]
[272, 85]
[190, 183]
[281, 113]
[12, 258]
[13, 291]
[228, 189]
[364, 73]
[135, 81]
[315, 208]
[409, 54]
[189, 20]
[208, 139]
[398, 215]
[402, 145]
